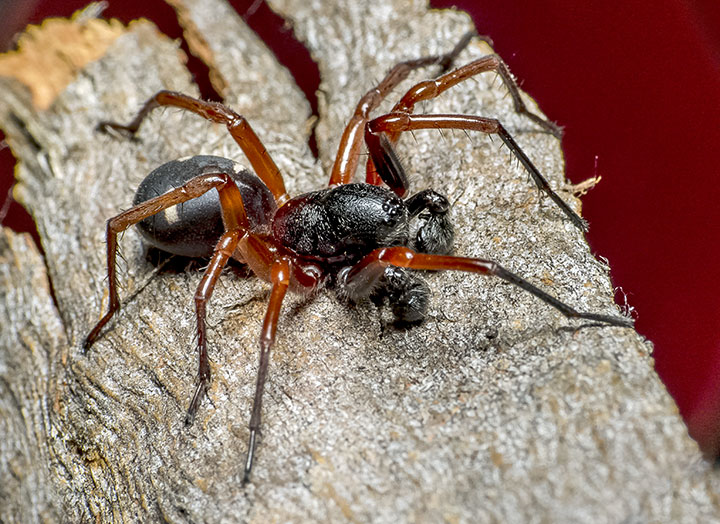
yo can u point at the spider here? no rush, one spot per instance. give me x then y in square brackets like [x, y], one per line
[353, 237]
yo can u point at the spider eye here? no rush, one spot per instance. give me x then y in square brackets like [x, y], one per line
[393, 210]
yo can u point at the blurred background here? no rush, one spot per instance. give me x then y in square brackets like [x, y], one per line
[636, 86]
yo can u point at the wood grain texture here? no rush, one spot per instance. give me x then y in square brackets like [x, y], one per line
[495, 409]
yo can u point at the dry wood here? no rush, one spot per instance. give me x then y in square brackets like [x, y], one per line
[495, 409]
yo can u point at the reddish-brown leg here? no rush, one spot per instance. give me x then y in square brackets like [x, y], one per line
[238, 126]
[380, 148]
[280, 278]
[430, 89]
[223, 251]
[405, 257]
[237, 227]
[233, 216]
[348, 153]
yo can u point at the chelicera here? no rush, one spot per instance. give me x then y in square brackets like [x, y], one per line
[353, 237]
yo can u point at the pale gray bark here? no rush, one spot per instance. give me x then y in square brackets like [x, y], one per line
[496, 409]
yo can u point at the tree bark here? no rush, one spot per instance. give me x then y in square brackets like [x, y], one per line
[496, 408]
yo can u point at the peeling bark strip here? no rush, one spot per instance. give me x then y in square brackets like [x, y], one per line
[50, 56]
[495, 409]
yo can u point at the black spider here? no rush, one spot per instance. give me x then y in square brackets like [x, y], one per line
[354, 237]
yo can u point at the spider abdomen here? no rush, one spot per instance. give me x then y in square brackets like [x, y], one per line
[193, 228]
[342, 223]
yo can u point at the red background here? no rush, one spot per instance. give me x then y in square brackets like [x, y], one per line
[635, 84]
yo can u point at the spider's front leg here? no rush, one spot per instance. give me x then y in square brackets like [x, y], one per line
[429, 89]
[349, 150]
[384, 157]
[371, 267]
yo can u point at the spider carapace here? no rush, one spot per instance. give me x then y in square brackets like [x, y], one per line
[353, 237]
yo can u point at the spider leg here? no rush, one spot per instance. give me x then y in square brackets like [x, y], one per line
[237, 125]
[280, 278]
[430, 89]
[237, 228]
[371, 267]
[223, 251]
[380, 149]
[348, 154]
[233, 216]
